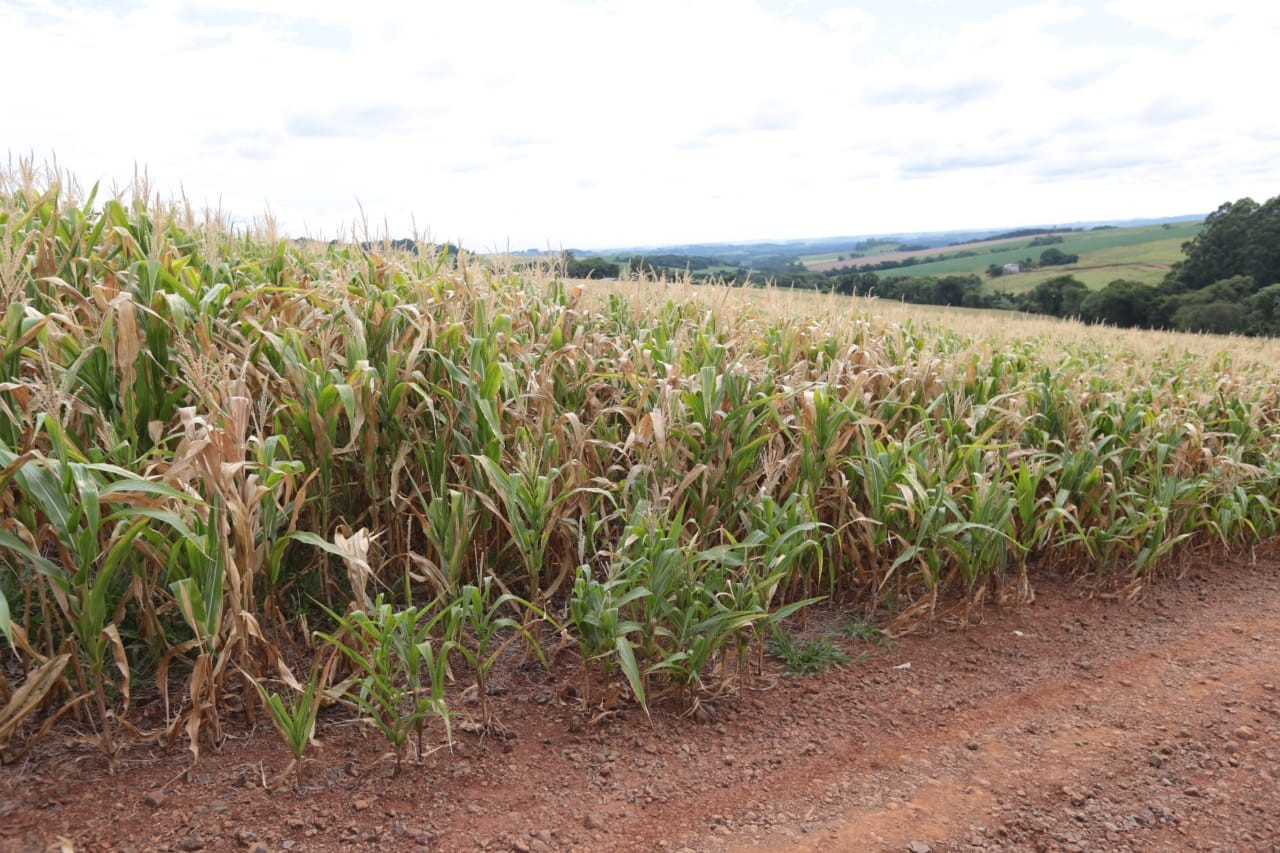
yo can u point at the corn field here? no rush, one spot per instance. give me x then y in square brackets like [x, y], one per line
[253, 475]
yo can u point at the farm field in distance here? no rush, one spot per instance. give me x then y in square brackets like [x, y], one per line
[543, 564]
[1141, 253]
[876, 250]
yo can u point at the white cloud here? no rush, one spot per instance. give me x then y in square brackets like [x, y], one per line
[851, 24]
[1181, 19]
[642, 121]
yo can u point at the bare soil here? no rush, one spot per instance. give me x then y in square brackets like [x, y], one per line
[1078, 722]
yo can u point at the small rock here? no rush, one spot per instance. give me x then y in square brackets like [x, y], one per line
[154, 799]
[191, 842]
[544, 835]
[361, 805]
[593, 822]
[520, 845]
[919, 847]
[1245, 733]
[1077, 799]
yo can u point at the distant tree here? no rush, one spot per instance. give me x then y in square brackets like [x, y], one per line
[1121, 303]
[857, 283]
[1219, 318]
[1263, 314]
[995, 270]
[1239, 238]
[589, 267]
[1056, 258]
[1179, 309]
[951, 289]
[1061, 297]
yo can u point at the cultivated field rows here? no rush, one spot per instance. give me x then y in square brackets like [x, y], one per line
[249, 477]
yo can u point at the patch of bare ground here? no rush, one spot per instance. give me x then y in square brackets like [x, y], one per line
[1074, 723]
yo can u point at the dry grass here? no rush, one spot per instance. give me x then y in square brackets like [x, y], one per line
[989, 329]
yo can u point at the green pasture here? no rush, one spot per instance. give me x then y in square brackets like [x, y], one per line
[1123, 249]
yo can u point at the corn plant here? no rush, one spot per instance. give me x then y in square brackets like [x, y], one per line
[603, 634]
[530, 511]
[205, 428]
[399, 673]
[295, 718]
[448, 522]
[478, 611]
[90, 579]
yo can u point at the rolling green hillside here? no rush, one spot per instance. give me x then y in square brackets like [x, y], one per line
[1142, 253]
[866, 251]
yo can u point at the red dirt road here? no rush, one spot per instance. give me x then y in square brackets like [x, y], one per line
[1074, 723]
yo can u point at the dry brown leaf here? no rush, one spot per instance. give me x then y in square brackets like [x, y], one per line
[30, 696]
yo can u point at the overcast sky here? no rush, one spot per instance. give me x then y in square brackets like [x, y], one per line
[589, 123]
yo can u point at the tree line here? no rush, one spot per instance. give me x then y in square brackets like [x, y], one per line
[1228, 281]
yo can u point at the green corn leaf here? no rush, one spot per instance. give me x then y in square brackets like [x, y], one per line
[631, 669]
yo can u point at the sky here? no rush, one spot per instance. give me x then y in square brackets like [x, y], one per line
[517, 124]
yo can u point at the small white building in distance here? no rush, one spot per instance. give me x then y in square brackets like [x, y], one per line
[1012, 269]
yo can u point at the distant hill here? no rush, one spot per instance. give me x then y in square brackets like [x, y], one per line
[1100, 254]
[743, 253]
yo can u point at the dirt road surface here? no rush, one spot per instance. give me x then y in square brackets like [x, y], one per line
[1075, 723]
